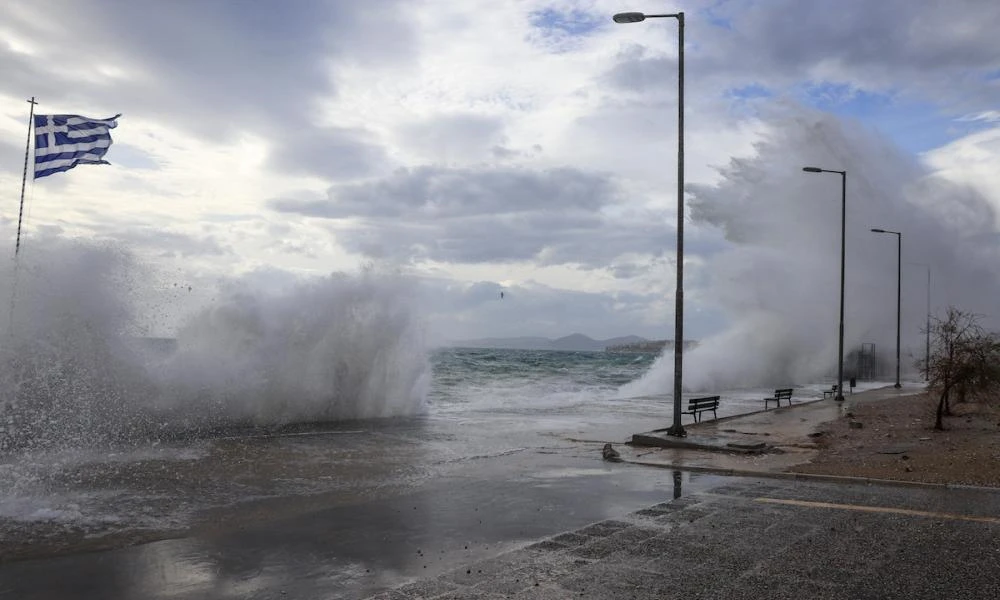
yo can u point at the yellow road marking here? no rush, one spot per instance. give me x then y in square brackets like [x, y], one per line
[881, 509]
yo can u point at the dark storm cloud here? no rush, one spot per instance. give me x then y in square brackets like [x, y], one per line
[457, 136]
[216, 69]
[916, 36]
[22, 77]
[942, 49]
[484, 215]
[636, 69]
[332, 153]
[435, 192]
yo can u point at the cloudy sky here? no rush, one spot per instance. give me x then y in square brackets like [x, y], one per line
[518, 145]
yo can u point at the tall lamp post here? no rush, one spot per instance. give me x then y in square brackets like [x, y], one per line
[899, 283]
[927, 331]
[677, 429]
[843, 240]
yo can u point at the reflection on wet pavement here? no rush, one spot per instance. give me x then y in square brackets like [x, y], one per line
[356, 549]
[326, 514]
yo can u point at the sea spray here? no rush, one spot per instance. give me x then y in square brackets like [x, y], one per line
[340, 347]
[66, 372]
[778, 282]
[77, 369]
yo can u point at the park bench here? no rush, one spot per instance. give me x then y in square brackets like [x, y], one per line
[696, 406]
[779, 395]
[830, 392]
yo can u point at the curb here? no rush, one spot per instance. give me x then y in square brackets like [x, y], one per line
[741, 415]
[644, 441]
[844, 479]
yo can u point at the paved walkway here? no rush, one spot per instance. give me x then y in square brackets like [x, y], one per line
[753, 539]
[787, 432]
[783, 536]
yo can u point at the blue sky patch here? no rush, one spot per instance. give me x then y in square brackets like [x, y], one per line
[743, 100]
[573, 22]
[129, 156]
[749, 92]
[713, 16]
[917, 126]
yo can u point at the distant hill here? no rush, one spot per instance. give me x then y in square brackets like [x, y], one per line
[520, 343]
[574, 342]
[648, 346]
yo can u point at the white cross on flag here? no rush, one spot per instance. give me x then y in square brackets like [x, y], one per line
[64, 141]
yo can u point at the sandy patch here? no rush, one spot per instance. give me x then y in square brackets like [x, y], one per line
[897, 441]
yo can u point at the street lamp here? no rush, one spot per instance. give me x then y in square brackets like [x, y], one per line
[843, 240]
[927, 332]
[899, 282]
[677, 429]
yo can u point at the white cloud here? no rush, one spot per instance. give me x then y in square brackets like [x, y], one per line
[974, 160]
[482, 141]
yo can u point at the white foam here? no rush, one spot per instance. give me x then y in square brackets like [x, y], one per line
[778, 277]
[72, 374]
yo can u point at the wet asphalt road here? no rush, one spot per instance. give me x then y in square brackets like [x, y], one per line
[367, 508]
[90, 498]
[337, 513]
[351, 550]
[658, 537]
[751, 539]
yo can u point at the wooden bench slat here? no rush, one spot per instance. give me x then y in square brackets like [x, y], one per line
[779, 395]
[696, 406]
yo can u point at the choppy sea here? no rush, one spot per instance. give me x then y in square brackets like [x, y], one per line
[534, 381]
[480, 404]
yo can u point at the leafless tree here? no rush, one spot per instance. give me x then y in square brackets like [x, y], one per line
[965, 359]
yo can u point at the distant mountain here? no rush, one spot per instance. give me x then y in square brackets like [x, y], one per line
[574, 342]
[627, 339]
[518, 343]
[577, 341]
[648, 346]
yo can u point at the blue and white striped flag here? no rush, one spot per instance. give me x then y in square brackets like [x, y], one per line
[64, 141]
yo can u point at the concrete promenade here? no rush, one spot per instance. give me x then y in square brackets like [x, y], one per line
[788, 435]
[757, 539]
[761, 534]
[536, 516]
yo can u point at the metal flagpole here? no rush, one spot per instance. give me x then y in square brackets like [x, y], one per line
[20, 215]
[24, 175]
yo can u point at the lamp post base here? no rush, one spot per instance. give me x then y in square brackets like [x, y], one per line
[897, 386]
[677, 430]
[839, 398]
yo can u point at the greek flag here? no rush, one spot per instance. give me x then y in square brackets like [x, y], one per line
[64, 141]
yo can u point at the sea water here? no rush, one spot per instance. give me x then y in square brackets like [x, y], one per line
[561, 382]
[480, 403]
[77, 389]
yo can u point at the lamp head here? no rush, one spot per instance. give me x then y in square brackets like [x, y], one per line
[879, 231]
[812, 169]
[629, 17]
